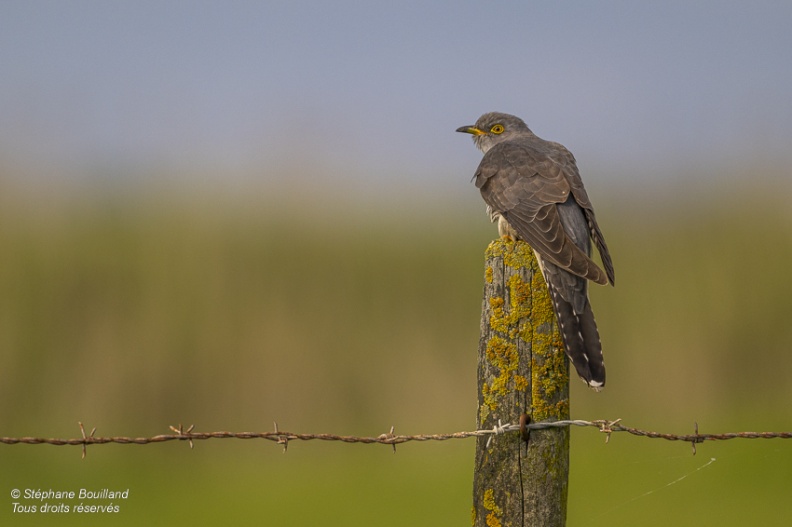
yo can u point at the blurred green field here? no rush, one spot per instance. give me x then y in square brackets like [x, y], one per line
[133, 310]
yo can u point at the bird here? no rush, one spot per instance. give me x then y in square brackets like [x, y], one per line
[533, 190]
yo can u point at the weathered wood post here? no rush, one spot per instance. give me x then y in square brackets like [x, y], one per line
[521, 368]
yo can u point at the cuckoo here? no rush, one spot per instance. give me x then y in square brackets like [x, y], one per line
[533, 189]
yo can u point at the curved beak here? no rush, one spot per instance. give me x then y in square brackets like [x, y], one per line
[470, 130]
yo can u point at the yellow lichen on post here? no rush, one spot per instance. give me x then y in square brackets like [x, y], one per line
[493, 519]
[502, 354]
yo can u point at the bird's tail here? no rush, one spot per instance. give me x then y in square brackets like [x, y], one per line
[581, 339]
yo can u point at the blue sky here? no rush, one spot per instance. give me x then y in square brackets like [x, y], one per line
[344, 89]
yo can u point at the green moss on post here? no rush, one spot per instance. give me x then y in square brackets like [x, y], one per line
[521, 368]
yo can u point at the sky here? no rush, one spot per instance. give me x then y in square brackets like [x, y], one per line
[373, 91]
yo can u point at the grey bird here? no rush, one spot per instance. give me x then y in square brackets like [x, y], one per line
[533, 189]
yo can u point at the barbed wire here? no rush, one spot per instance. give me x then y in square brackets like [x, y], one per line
[607, 427]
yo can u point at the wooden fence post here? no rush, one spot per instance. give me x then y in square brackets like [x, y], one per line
[521, 368]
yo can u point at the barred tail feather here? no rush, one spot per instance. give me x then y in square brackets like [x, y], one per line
[581, 339]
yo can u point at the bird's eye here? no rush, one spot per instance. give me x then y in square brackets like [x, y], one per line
[497, 129]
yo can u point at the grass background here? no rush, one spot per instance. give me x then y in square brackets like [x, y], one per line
[131, 309]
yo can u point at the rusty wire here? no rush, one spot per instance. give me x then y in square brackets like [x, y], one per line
[607, 427]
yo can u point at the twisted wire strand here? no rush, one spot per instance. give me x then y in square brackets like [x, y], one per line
[282, 437]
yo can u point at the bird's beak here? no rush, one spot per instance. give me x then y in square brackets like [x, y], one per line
[470, 130]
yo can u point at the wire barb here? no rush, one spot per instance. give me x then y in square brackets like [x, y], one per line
[496, 430]
[389, 436]
[85, 438]
[282, 440]
[607, 428]
[182, 433]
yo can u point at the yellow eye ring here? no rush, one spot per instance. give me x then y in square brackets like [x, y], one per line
[497, 129]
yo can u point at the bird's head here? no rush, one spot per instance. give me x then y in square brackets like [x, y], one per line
[493, 128]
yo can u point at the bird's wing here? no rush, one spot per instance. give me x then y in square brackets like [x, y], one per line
[567, 160]
[526, 181]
